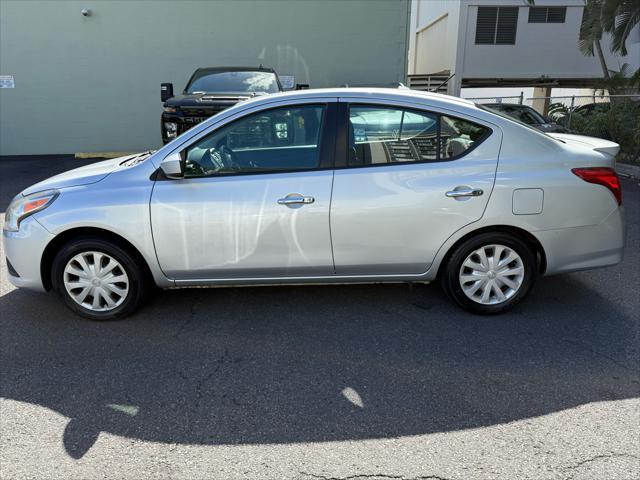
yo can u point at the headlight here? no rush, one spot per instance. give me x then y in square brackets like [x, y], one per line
[171, 128]
[169, 109]
[23, 206]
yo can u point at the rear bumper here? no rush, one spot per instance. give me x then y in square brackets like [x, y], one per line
[24, 249]
[584, 248]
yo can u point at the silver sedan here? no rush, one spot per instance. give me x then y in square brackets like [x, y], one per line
[323, 186]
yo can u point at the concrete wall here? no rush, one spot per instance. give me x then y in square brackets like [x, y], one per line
[434, 36]
[432, 45]
[93, 83]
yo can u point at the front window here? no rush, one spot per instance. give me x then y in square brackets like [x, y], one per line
[233, 82]
[274, 140]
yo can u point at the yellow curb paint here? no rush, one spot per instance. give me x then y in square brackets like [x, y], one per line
[102, 154]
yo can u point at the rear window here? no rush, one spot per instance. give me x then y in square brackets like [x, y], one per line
[383, 135]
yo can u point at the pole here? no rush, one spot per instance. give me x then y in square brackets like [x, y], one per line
[573, 101]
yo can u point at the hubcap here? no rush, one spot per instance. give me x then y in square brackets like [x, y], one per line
[491, 274]
[96, 281]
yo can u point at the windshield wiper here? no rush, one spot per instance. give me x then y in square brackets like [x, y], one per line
[138, 158]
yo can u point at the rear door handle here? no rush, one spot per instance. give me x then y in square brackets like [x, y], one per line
[464, 192]
[296, 199]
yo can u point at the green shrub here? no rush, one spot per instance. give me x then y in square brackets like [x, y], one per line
[620, 123]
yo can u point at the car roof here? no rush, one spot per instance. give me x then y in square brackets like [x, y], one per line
[377, 94]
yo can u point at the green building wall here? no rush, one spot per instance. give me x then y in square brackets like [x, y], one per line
[92, 84]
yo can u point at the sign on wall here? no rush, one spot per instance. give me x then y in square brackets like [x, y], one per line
[6, 81]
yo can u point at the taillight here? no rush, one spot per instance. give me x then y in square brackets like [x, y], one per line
[607, 177]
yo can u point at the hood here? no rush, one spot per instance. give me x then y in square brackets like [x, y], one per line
[592, 143]
[79, 176]
[204, 99]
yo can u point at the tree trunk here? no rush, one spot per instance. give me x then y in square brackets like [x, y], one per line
[603, 63]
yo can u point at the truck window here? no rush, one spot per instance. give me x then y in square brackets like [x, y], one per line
[238, 82]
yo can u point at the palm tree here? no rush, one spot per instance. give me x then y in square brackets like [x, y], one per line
[591, 33]
[619, 17]
[616, 17]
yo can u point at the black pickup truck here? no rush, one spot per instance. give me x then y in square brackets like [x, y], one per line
[209, 91]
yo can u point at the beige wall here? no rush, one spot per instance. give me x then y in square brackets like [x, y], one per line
[430, 42]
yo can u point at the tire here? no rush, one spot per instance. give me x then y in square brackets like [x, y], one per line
[120, 283]
[466, 283]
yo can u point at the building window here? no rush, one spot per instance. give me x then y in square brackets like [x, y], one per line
[547, 14]
[496, 25]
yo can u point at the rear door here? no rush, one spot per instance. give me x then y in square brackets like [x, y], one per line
[408, 180]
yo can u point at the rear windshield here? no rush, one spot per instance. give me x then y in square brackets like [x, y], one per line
[238, 82]
[524, 114]
[515, 120]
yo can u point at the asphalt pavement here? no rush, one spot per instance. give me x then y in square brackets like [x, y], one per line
[324, 382]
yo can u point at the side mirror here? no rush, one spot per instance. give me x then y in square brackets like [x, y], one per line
[171, 166]
[166, 91]
[302, 86]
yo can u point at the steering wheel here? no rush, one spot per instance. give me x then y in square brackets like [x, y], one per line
[216, 160]
[228, 158]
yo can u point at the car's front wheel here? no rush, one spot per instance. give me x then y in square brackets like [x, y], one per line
[98, 279]
[489, 273]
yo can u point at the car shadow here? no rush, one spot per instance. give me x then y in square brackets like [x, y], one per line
[315, 363]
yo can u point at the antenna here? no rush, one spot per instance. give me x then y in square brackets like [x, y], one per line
[442, 84]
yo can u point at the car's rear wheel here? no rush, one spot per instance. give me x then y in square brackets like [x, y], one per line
[489, 273]
[99, 279]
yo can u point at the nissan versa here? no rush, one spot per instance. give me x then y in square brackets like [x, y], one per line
[339, 185]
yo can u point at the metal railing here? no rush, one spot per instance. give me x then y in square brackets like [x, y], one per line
[498, 99]
[570, 101]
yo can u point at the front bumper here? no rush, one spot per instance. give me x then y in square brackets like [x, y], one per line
[182, 125]
[24, 249]
[584, 248]
[184, 122]
[189, 117]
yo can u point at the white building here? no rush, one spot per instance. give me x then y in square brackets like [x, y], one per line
[502, 43]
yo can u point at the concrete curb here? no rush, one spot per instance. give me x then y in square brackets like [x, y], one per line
[628, 170]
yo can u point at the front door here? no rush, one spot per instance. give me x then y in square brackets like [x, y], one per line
[411, 179]
[254, 202]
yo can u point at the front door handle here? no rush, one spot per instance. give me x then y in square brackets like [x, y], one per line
[296, 199]
[464, 192]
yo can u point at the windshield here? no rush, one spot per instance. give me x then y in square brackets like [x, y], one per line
[242, 81]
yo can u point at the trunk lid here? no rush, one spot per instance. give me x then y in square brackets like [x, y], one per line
[592, 143]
